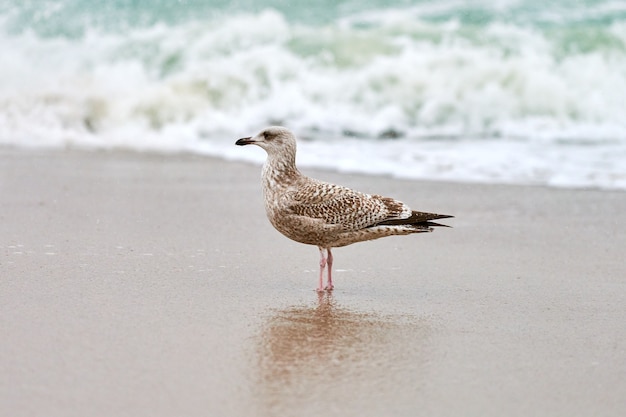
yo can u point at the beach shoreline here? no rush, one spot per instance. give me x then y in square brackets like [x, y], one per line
[153, 284]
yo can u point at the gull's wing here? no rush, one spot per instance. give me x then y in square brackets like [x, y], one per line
[351, 209]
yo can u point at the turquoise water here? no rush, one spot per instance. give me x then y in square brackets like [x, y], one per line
[495, 91]
[73, 17]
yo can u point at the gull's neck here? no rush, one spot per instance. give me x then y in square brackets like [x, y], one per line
[280, 170]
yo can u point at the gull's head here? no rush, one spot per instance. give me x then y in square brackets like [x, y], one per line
[274, 139]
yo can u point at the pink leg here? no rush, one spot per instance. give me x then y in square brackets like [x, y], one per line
[323, 260]
[329, 261]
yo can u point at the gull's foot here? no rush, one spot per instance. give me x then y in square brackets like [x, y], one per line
[320, 290]
[329, 287]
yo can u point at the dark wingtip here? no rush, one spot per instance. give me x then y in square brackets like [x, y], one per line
[433, 224]
[418, 218]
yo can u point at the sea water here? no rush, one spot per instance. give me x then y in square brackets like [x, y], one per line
[498, 91]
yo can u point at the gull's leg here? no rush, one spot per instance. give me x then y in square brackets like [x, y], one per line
[323, 260]
[329, 261]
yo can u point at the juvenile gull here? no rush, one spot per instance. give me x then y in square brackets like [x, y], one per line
[326, 215]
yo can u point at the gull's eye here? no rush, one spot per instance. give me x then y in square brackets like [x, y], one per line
[267, 135]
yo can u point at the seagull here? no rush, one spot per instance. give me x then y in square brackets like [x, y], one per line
[326, 215]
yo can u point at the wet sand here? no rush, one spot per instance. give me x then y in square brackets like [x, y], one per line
[153, 285]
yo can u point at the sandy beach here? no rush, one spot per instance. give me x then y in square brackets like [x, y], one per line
[153, 285]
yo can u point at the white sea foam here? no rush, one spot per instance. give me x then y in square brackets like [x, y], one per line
[385, 94]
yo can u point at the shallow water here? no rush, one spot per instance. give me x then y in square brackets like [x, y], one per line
[316, 359]
[154, 285]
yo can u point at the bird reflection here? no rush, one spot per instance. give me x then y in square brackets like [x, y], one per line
[301, 336]
[313, 352]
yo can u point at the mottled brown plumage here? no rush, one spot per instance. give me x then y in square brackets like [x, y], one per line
[326, 215]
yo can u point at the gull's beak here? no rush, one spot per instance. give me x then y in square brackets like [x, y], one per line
[244, 141]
